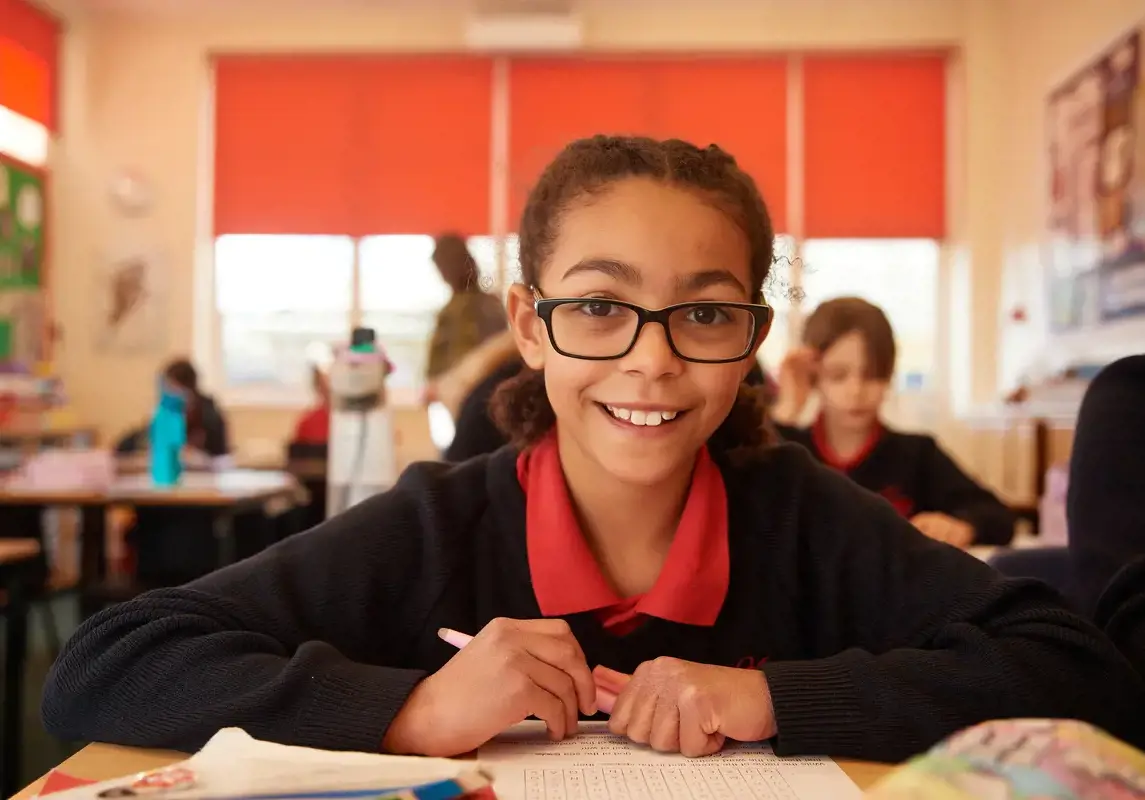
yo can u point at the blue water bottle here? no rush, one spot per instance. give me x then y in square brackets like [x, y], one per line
[168, 436]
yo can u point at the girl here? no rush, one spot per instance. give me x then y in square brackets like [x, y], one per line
[206, 426]
[640, 524]
[849, 357]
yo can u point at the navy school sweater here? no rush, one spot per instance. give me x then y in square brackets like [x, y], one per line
[916, 475]
[876, 641]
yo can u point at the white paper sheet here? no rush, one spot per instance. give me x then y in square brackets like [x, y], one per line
[595, 765]
[234, 763]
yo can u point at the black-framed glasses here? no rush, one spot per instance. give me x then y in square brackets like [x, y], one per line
[600, 329]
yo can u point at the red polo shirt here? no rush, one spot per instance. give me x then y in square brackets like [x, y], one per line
[832, 458]
[567, 580]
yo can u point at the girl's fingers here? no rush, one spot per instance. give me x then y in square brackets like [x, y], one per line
[610, 679]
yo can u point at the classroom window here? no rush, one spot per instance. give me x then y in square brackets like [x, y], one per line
[402, 292]
[277, 298]
[283, 302]
[23, 138]
[899, 275]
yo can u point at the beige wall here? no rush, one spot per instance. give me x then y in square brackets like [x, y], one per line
[1051, 39]
[136, 96]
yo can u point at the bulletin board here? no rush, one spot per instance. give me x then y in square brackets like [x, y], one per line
[22, 262]
[1096, 244]
[21, 225]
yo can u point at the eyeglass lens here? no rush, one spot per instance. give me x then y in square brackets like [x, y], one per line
[602, 329]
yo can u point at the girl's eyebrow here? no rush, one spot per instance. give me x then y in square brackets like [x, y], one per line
[709, 277]
[626, 273]
[621, 271]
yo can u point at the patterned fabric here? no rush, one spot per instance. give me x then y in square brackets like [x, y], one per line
[1024, 759]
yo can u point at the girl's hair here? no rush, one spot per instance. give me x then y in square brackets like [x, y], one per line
[589, 167]
[456, 264]
[834, 319]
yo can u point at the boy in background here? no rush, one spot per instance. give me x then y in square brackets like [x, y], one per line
[848, 359]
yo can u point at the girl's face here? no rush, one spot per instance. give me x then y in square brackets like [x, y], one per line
[851, 397]
[654, 246]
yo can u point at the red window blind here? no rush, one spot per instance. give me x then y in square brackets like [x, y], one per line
[875, 146]
[425, 146]
[737, 103]
[554, 101]
[351, 145]
[29, 56]
[283, 145]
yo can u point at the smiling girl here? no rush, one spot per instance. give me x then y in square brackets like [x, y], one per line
[639, 524]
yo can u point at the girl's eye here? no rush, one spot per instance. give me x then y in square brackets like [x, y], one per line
[708, 315]
[597, 308]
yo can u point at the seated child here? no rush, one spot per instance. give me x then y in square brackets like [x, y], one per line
[641, 524]
[848, 357]
[174, 545]
[314, 426]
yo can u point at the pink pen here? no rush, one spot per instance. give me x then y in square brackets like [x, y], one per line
[605, 699]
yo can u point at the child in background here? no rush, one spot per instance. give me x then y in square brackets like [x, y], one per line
[848, 357]
[314, 426]
[641, 534]
[469, 317]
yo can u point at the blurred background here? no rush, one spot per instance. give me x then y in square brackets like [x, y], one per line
[241, 182]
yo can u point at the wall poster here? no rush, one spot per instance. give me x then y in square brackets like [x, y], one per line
[1096, 243]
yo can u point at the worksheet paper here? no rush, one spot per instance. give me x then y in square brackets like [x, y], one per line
[595, 765]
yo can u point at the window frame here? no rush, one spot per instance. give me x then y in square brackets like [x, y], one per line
[278, 396]
[208, 339]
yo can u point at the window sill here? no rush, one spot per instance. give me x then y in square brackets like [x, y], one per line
[279, 398]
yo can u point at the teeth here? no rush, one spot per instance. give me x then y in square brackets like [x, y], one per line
[642, 418]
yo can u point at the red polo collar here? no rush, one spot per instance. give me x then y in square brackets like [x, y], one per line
[567, 579]
[833, 459]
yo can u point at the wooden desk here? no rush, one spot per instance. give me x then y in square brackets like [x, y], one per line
[102, 761]
[223, 493]
[17, 556]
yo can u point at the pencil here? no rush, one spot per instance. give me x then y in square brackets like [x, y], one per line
[605, 700]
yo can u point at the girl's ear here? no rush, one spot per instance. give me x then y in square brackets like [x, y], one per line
[528, 328]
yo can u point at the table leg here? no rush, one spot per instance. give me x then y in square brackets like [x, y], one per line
[93, 557]
[15, 655]
[224, 526]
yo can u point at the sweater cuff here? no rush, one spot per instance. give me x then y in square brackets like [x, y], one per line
[352, 705]
[817, 708]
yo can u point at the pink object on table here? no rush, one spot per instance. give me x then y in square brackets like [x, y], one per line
[69, 469]
[1053, 527]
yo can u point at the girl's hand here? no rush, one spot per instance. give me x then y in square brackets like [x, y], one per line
[512, 669]
[680, 706]
[945, 528]
[795, 381]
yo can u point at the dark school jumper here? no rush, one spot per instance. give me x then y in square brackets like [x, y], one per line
[915, 475]
[876, 641]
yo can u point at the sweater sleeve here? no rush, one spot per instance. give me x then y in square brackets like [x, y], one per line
[913, 640]
[951, 491]
[301, 644]
[1121, 612]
